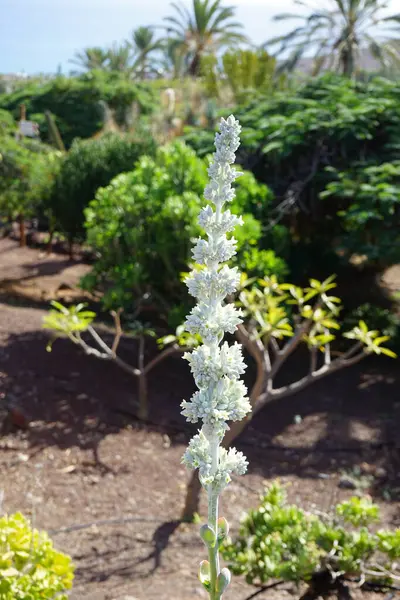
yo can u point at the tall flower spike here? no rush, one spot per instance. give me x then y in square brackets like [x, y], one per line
[216, 367]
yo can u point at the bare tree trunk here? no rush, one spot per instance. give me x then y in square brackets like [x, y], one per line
[71, 248]
[52, 229]
[192, 500]
[143, 412]
[49, 248]
[194, 67]
[22, 231]
[348, 60]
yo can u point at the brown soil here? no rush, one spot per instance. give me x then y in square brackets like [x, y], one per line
[85, 459]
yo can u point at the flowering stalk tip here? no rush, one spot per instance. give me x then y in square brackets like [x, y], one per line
[216, 366]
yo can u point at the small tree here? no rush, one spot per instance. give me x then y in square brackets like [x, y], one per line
[25, 168]
[279, 319]
[73, 322]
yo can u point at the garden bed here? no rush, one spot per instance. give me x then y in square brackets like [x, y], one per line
[84, 459]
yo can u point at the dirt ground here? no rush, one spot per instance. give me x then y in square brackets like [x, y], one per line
[85, 459]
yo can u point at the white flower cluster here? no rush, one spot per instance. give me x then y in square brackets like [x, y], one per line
[213, 284]
[216, 368]
[198, 456]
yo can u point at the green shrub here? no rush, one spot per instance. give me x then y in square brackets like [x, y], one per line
[7, 123]
[385, 320]
[87, 166]
[288, 141]
[280, 541]
[77, 103]
[242, 71]
[22, 166]
[142, 224]
[30, 568]
[369, 201]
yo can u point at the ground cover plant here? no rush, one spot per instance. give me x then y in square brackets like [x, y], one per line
[30, 568]
[279, 541]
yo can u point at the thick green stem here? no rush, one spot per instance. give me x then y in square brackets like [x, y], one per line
[213, 555]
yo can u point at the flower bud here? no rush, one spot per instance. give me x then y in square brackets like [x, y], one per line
[223, 530]
[223, 580]
[207, 534]
[204, 574]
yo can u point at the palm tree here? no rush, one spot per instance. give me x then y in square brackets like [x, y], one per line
[144, 45]
[91, 58]
[120, 58]
[172, 61]
[338, 34]
[205, 29]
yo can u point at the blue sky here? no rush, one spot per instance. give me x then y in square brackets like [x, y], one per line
[39, 35]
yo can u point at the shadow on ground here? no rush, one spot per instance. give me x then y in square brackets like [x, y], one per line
[342, 422]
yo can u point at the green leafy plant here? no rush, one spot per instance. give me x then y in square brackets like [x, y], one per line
[7, 123]
[290, 138]
[370, 211]
[281, 541]
[240, 71]
[24, 168]
[87, 166]
[142, 224]
[385, 320]
[78, 103]
[30, 568]
[279, 318]
[75, 321]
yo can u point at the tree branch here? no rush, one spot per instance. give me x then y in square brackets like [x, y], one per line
[267, 369]
[118, 329]
[327, 356]
[164, 354]
[89, 350]
[313, 359]
[256, 350]
[275, 347]
[296, 386]
[290, 346]
[109, 354]
[99, 340]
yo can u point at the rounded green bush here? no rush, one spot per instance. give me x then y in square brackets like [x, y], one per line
[88, 165]
[24, 166]
[30, 568]
[282, 541]
[141, 227]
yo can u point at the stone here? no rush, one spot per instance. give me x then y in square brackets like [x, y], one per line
[346, 483]
[380, 473]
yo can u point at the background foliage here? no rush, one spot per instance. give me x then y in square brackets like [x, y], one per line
[88, 165]
[280, 541]
[78, 103]
[296, 142]
[30, 568]
[141, 227]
